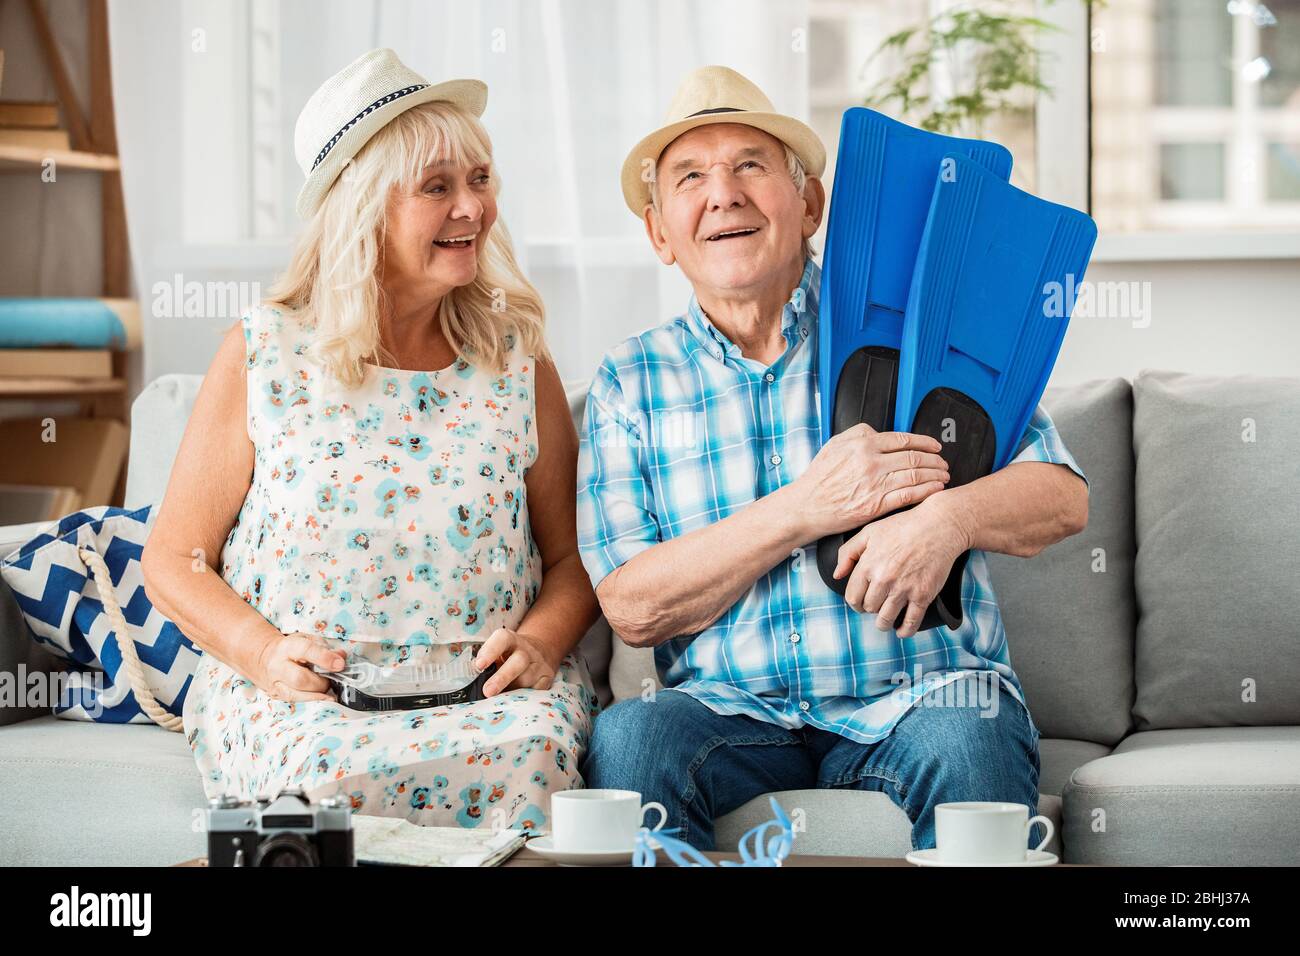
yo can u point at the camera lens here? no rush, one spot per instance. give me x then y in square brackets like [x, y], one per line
[286, 849]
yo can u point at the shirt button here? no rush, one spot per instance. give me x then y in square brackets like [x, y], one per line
[775, 459]
[794, 638]
[804, 705]
[803, 333]
[769, 377]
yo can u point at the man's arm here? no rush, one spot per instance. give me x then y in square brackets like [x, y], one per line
[1019, 510]
[652, 590]
[683, 585]
[1040, 498]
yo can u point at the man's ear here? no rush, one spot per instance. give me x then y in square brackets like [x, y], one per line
[654, 229]
[814, 205]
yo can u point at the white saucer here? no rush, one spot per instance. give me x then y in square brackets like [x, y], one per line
[931, 858]
[546, 848]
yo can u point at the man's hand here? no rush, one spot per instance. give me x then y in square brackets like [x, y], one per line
[861, 474]
[902, 562]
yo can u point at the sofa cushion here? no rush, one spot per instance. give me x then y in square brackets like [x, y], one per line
[1059, 758]
[597, 646]
[1218, 796]
[595, 649]
[1218, 518]
[1070, 610]
[138, 795]
[66, 604]
[632, 671]
[158, 417]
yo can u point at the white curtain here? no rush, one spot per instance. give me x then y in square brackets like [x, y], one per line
[207, 92]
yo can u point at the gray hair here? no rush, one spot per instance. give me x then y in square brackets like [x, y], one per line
[794, 166]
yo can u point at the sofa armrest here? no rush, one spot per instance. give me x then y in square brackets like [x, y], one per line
[19, 654]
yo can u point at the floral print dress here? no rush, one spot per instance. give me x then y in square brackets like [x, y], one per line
[391, 520]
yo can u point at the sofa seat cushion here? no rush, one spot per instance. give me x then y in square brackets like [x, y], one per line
[846, 822]
[85, 794]
[1059, 757]
[1207, 796]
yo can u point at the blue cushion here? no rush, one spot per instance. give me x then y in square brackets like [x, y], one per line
[59, 599]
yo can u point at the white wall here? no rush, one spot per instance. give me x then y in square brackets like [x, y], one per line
[1220, 317]
[1226, 317]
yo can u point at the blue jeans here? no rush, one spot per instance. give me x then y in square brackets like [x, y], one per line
[701, 765]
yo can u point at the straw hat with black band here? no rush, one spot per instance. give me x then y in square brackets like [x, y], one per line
[354, 104]
[715, 94]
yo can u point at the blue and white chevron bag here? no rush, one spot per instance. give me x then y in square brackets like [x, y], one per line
[80, 589]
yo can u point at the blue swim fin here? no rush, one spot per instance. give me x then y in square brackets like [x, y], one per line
[989, 303]
[884, 184]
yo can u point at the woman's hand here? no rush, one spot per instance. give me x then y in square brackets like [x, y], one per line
[525, 662]
[282, 669]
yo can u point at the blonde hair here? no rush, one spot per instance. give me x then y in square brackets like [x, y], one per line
[332, 278]
[798, 175]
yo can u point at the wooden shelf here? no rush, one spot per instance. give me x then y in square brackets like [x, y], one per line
[15, 158]
[92, 133]
[23, 387]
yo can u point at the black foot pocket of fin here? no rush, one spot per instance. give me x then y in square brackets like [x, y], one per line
[828, 556]
[867, 389]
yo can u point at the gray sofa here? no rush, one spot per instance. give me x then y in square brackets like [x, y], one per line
[1159, 652]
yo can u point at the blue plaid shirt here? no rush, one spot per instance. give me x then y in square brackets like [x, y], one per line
[681, 431]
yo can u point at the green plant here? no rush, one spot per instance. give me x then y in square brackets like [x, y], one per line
[992, 57]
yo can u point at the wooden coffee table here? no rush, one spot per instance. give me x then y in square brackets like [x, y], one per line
[527, 857]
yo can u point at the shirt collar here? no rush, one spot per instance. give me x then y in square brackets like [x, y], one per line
[798, 314]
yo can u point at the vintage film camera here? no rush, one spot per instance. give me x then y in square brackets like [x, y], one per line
[286, 831]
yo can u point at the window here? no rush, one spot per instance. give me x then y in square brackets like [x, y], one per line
[1196, 115]
[844, 35]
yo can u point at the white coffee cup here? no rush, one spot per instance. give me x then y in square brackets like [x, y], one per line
[599, 821]
[974, 832]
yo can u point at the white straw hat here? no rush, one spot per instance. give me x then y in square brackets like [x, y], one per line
[715, 94]
[352, 105]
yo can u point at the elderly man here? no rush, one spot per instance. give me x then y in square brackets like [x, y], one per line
[702, 491]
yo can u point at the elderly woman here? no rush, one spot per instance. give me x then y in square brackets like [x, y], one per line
[383, 459]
